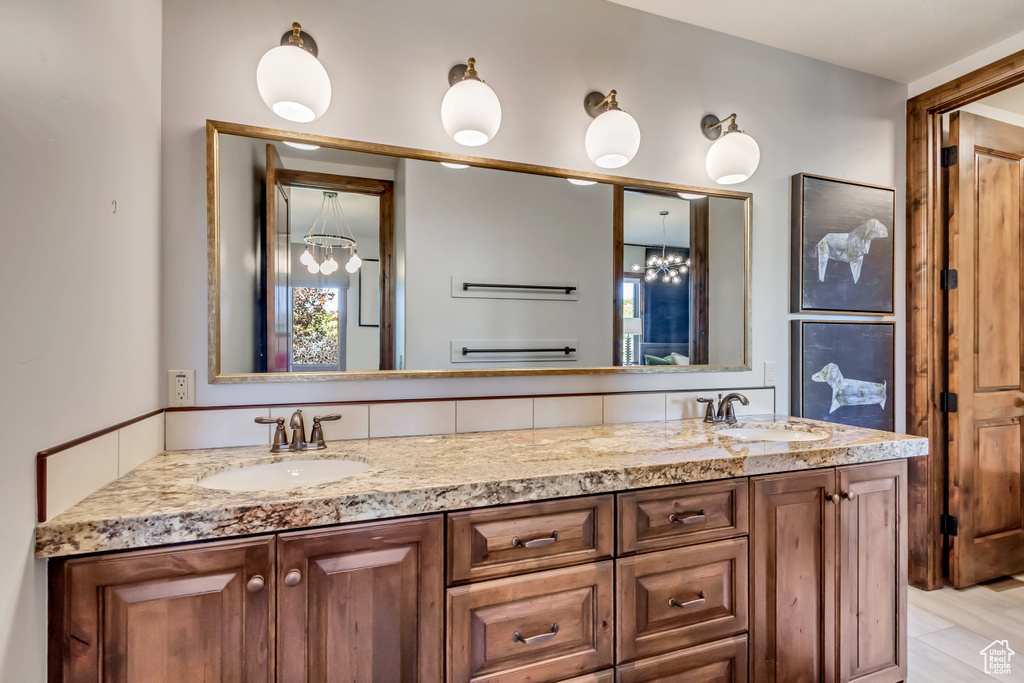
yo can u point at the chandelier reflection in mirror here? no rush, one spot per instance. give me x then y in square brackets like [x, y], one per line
[667, 266]
[323, 238]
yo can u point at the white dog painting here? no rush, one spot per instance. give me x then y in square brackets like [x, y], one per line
[850, 392]
[849, 247]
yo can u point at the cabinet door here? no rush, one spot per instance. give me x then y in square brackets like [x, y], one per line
[203, 613]
[362, 603]
[793, 591]
[873, 572]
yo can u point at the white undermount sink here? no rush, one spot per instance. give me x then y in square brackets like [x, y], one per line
[771, 432]
[280, 476]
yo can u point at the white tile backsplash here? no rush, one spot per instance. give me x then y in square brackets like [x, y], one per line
[494, 415]
[567, 411]
[73, 474]
[187, 429]
[634, 408]
[683, 404]
[354, 422]
[412, 419]
[139, 442]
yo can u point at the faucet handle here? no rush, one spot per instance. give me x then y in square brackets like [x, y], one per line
[709, 412]
[280, 435]
[316, 435]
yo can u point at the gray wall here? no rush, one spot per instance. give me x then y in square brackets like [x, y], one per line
[807, 116]
[243, 162]
[489, 225]
[726, 283]
[79, 127]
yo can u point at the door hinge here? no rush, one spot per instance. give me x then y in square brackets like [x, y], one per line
[948, 402]
[948, 525]
[949, 279]
[950, 156]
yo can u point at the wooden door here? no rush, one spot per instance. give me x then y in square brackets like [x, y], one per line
[362, 604]
[873, 572]
[197, 614]
[793, 570]
[277, 244]
[986, 345]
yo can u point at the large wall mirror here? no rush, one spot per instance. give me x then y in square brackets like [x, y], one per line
[337, 259]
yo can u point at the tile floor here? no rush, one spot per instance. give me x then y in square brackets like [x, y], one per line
[948, 628]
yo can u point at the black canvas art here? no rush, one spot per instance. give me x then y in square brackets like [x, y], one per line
[842, 246]
[844, 372]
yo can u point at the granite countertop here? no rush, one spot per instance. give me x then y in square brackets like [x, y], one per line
[160, 502]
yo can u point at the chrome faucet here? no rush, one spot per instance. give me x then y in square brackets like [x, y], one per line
[298, 426]
[725, 412]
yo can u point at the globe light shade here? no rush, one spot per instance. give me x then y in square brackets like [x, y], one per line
[733, 158]
[470, 112]
[293, 83]
[613, 139]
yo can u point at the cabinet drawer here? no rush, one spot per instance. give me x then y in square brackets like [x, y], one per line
[724, 661]
[681, 515]
[677, 598]
[543, 627]
[486, 544]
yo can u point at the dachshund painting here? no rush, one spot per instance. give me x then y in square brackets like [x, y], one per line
[849, 247]
[850, 392]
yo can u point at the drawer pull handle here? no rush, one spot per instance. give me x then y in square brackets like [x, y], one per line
[672, 602]
[516, 638]
[535, 543]
[687, 517]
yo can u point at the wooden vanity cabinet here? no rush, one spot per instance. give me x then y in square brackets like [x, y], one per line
[828, 568]
[362, 603]
[203, 613]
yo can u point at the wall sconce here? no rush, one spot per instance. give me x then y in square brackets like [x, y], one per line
[613, 137]
[292, 81]
[470, 110]
[734, 156]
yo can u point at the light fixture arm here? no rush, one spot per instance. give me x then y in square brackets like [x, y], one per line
[300, 38]
[711, 126]
[597, 103]
[464, 72]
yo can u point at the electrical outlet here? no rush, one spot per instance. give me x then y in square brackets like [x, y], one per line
[181, 388]
[769, 374]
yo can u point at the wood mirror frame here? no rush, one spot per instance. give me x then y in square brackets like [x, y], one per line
[216, 128]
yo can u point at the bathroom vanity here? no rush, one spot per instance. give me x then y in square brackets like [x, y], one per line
[631, 552]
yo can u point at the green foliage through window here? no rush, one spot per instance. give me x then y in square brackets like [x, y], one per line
[314, 326]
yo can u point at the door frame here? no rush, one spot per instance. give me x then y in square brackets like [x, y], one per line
[385, 191]
[926, 304]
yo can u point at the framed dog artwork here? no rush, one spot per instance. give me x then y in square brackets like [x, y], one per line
[842, 247]
[844, 372]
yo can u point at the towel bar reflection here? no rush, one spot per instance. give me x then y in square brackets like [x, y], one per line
[569, 289]
[565, 349]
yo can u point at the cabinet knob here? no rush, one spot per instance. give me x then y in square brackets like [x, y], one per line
[255, 584]
[849, 495]
[833, 497]
[293, 578]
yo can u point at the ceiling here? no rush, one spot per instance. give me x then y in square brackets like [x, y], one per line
[902, 40]
[1011, 100]
[361, 213]
[642, 224]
